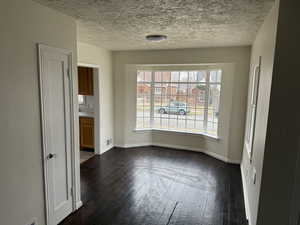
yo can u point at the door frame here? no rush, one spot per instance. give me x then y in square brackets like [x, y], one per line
[75, 173]
[97, 100]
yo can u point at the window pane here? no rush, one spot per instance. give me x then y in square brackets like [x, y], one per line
[146, 105]
[182, 89]
[191, 115]
[191, 103]
[140, 106]
[166, 76]
[189, 89]
[159, 110]
[212, 116]
[147, 122]
[175, 76]
[193, 76]
[181, 117]
[148, 76]
[140, 76]
[197, 76]
[181, 102]
[165, 100]
[213, 102]
[172, 124]
[190, 125]
[184, 76]
[164, 123]
[164, 88]
[200, 114]
[212, 128]
[215, 76]
[144, 88]
[181, 125]
[199, 93]
[139, 123]
[173, 116]
[157, 76]
[144, 76]
[157, 89]
[200, 101]
[199, 125]
[172, 89]
[156, 123]
[158, 100]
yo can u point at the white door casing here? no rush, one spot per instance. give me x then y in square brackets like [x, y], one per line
[252, 108]
[55, 89]
[96, 79]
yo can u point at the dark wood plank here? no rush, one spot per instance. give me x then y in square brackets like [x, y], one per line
[159, 186]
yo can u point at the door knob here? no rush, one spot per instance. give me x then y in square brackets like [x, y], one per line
[50, 156]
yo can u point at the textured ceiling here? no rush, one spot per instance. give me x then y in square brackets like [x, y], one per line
[123, 24]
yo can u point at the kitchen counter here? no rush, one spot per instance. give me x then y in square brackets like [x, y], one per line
[86, 114]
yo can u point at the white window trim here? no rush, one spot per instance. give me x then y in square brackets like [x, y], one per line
[178, 132]
[188, 68]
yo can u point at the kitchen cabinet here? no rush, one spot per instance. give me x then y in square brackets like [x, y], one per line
[85, 81]
[86, 125]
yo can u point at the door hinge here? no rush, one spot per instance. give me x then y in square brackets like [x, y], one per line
[71, 191]
[68, 73]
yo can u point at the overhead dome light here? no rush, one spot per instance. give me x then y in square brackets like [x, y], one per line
[156, 37]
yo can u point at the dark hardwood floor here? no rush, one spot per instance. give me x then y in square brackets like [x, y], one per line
[159, 186]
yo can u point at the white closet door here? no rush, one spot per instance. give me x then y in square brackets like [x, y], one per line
[55, 94]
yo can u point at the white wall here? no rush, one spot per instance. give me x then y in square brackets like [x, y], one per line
[89, 54]
[230, 147]
[23, 25]
[282, 145]
[263, 46]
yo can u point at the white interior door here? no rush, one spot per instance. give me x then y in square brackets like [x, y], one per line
[55, 97]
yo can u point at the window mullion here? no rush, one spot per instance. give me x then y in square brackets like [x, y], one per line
[161, 91]
[152, 100]
[206, 101]
[187, 99]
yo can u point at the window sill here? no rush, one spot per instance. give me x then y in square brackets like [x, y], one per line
[179, 132]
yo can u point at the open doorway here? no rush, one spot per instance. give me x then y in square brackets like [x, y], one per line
[88, 101]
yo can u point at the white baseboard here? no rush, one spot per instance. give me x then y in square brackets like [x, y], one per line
[246, 200]
[107, 149]
[133, 145]
[78, 204]
[212, 154]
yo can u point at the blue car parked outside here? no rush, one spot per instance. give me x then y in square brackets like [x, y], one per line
[180, 108]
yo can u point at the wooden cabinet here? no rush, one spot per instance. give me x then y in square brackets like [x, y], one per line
[86, 125]
[85, 81]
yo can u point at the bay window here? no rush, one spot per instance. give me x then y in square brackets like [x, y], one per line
[183, 101]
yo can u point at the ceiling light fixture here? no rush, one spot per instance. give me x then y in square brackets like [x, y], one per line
[156, 37]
